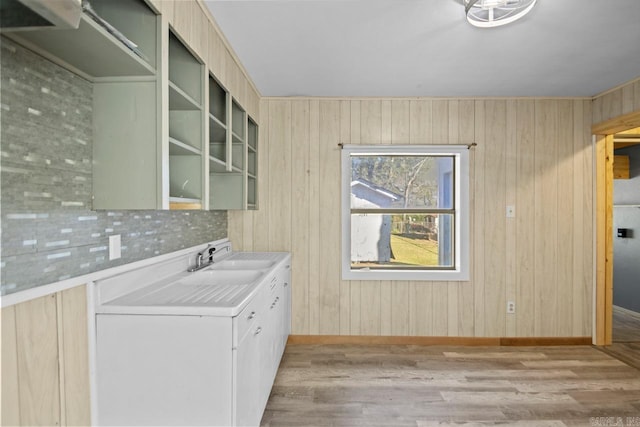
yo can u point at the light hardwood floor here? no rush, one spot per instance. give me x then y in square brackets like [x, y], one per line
[626, 325]
[626, 337]
[346, 385]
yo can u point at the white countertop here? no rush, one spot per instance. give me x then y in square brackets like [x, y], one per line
[207, 292]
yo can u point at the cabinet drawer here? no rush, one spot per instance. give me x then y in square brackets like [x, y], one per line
[249, 318]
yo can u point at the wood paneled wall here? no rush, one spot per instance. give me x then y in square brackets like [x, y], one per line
[617, 102]
[191, 20]
[45, 363]
[534, 154]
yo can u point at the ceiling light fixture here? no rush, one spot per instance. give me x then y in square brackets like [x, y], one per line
[493, 13]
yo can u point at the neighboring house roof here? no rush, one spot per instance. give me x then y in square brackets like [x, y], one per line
[371, 194]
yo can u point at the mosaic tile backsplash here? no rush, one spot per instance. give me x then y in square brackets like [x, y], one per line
[49, 232]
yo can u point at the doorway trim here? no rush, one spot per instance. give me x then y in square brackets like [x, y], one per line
[603, 136]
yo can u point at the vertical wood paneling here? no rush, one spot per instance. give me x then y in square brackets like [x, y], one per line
[627, 99]
[314, 217]
[566, 217]
[181, 19]
[247, 228]
[279, 170]
[466, 132]
[75, 347]
[478, 218]
[532, 154]
[235, 230]
[510, 200]
[610, 105]
[525, 218]
[37, 353]
[300, 216]
[582, 203]
[345, 286]
[546, 219]
[45, 362]
[329, 217]
[10, 385]
[495, 222]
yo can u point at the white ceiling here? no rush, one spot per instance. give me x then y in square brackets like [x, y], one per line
[565, 48]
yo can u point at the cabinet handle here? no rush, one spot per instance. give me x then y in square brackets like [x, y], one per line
[251, 315]
[258, 330]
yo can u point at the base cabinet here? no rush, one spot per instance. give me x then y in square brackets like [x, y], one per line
[248, 407]
[192, 369]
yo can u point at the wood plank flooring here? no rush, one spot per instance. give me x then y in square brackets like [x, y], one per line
[349, 385]
[626, 325]
[626, 337]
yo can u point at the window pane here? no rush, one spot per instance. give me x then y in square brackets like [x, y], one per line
[401, 240]
[401, 182]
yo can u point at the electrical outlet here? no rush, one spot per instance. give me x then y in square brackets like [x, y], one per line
[114, 246]
[511, 211]
[511, 307]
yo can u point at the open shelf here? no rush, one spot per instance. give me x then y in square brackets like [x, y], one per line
[180, 100]
[186, 126]
[179, 148]
[185, 71]
[185, 176]
[238, 120]
[218, 98]
[217, 130]
[216, 165]
[252, 137]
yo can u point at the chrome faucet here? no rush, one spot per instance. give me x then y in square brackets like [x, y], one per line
[200, 259]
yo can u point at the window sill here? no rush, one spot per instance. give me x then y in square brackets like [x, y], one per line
[415, 275]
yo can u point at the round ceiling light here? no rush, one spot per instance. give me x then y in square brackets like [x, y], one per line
[493, 13]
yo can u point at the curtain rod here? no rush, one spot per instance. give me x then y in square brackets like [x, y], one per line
[469, 146]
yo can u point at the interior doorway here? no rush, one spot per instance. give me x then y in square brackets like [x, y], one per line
[606, 134]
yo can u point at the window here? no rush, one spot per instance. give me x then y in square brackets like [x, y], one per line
[405, 212]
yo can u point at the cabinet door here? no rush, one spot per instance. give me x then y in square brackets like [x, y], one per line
[248, 402]
[268, 362]
[163, 370]
[286, 304]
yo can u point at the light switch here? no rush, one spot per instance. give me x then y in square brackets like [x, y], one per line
[114, 246]
[511, 211]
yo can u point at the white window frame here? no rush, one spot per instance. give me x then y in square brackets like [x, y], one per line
[460, 272]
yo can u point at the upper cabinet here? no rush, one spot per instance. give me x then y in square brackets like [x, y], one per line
[115, 38]
[186, 127]
[168, 134]
[233, 146]
[219, 111]
[252, 165]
